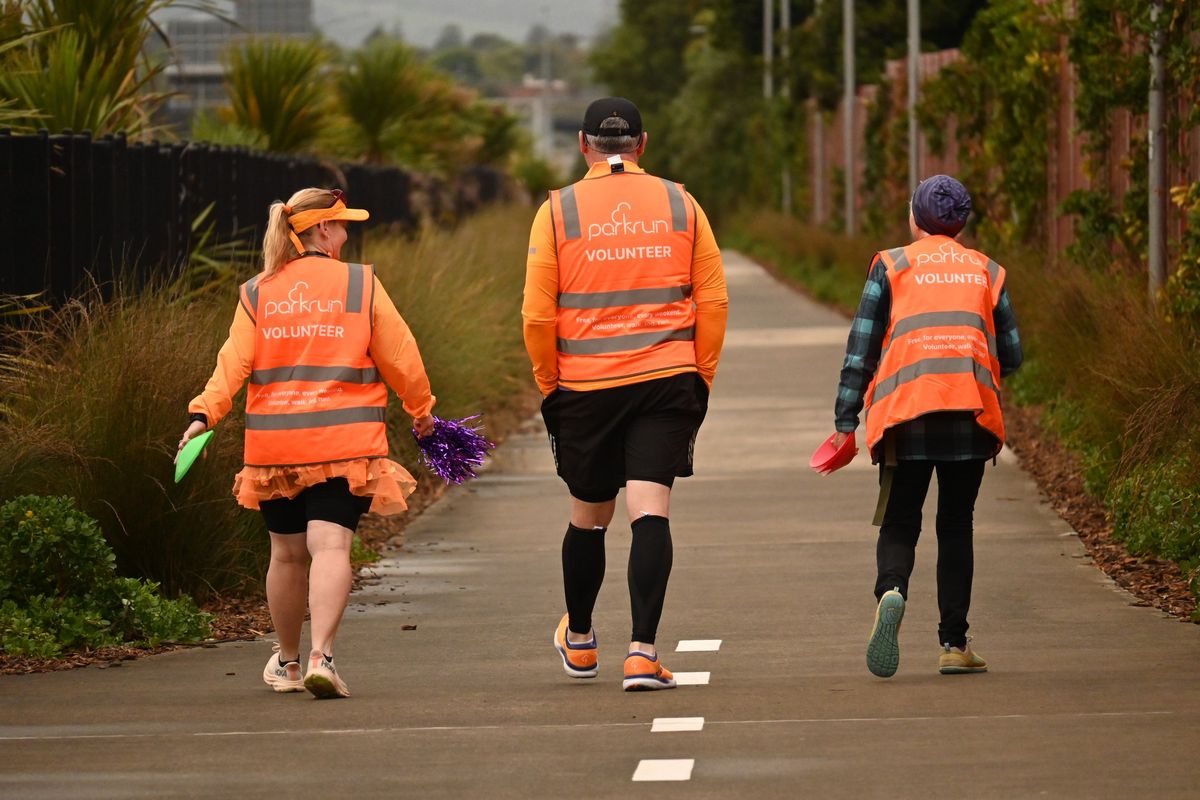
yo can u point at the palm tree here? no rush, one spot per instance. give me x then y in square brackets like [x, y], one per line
[81, 64]
[276, 88]
[395, 108]
[381, 90]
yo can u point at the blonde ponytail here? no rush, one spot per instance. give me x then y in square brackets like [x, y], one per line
[277, 247]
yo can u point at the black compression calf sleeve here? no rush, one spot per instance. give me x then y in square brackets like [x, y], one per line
[583, 572]
[649, 569]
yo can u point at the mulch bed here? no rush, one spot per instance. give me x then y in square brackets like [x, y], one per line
[1154, 582]
[247, 619]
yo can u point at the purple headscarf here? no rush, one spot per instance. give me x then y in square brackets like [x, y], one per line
[941, 205]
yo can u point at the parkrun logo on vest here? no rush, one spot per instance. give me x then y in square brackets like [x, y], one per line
[947, 253]
[622, 225]
[296, 304]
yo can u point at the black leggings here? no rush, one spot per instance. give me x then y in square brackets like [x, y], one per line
[895, 554]
[330, 501]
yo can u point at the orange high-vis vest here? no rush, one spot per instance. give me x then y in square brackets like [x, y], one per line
[625, 309]
[315, 396]
[939, 353]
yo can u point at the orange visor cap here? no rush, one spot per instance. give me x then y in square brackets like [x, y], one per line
[303, 220]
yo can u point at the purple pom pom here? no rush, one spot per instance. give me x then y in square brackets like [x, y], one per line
[454, 449]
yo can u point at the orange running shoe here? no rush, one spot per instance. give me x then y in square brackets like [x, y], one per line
[579, 660]
[644, 673]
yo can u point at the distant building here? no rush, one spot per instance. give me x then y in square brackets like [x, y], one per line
[196, 72]
[278, 17]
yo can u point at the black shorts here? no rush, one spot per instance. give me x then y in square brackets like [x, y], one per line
[641, 432]
[330, 501]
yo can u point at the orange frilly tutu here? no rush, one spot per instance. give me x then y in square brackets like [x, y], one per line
[381, 479]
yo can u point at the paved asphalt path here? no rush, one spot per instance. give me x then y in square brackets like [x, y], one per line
[1088, 697]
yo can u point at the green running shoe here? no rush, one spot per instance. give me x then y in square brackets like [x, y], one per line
[883, 651]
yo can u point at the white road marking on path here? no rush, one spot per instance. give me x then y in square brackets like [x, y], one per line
[581, 726]
[677, 724]
[692, 678]
[664, 769]
[698, 646]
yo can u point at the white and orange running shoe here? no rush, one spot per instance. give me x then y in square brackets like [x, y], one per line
[283, 677]
[322, 680]
[643, 672]
[579, 660]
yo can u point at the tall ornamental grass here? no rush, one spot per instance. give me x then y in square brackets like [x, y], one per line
[460, 292]
[1120, 385]
[96, 400]
[95, 397]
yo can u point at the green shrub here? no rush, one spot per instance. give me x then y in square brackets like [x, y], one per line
[360, 553]
[20, 634]
[141, 614]
[1156, 509]
[59, 590]
[1031, 385]
[47, 547]
[44, 627]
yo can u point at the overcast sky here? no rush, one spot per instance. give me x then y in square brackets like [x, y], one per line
[349, 21]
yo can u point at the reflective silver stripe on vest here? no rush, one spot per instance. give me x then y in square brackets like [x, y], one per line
[899, 259]
[314, 419]
[942, 319]
[570, 211]
[619, 344]
[252, 293]
[933, 366]
[993, 271]
[631, 297]
[354, 290]
[261, 377]
[678, 209]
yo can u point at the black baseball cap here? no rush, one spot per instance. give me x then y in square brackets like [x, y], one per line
[608, 107]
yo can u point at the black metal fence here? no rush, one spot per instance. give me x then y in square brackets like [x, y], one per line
[75, 209]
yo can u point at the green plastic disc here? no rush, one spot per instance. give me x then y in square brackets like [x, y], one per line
[190, 452]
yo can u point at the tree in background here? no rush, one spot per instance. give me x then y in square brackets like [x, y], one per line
[81, 64]
[694, 67]
[381, 89]
[382, 103]
[277, 88]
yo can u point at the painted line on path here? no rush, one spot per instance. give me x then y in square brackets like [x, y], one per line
[676, 724]
[664, 769]
[692, 678]
[591, 726]
[698, 646]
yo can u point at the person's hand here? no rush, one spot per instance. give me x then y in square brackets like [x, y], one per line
[423, 426]
[839, 438]
[193, 430]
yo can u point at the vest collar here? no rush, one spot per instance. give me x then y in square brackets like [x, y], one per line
[601, 168]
